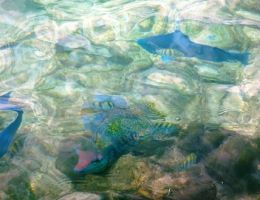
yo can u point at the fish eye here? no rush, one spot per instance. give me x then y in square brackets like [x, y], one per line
[95, 161]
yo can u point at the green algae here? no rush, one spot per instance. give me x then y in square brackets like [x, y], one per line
[245, 162]
[1, 123]
[191, 28]
[250, 5]
[147, 24]
[17, 146]
[252, 184]
[257, 144]
[20, 187]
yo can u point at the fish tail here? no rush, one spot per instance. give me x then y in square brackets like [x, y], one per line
[243, 58]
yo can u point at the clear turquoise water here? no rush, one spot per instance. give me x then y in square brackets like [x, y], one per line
[61, 53]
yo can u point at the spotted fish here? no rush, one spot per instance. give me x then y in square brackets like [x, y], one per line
[120, 128]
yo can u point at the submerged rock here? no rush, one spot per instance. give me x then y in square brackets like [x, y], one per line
[147, 24]
[251, 6]
[19, 188]
[49, 185]
[226, 73]
[99, 30]
[160, 25]
[230, 159]
[127, 174]
[185, 186]
[81, 196]
[234, 165]
[201, 139]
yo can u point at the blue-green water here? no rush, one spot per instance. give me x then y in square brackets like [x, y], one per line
[57, 55]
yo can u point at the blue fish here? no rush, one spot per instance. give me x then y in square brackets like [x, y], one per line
[179, 43]
[7, 135]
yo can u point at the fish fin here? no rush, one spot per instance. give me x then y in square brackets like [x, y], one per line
[6, 95]
[5, 98]
[5, 105]
[167, 59]
[6, 136]
[243, 58]
[119, 101]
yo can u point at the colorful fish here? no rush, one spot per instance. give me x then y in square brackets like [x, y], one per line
[169, 44]
[120, 128]
[186, 163]
[7, 135]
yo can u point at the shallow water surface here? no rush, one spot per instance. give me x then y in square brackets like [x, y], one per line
[146, 127]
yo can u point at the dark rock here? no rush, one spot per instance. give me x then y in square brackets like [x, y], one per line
[196, 190]
[192, 185]
[152, 147]
[120, 59]
[234, 165]
[201, 139]
[245, 161]
[122, 196]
